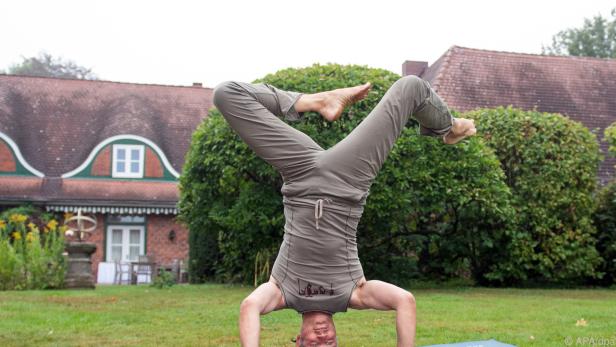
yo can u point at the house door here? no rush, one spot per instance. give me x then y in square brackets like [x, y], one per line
[125, 242]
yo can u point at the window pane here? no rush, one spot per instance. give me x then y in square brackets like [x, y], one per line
[116, 236]
[134, 166]
[133, 254]
[121, 154]
[134, 154]
[116, 253]
[120, 167]
[135, 236]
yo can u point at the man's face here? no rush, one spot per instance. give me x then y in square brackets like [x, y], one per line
[318, 331]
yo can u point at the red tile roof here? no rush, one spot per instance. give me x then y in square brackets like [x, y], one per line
[57, 122]
[580, 87]
[106, 192]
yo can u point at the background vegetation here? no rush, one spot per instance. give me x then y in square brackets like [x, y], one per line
[31, 247]
[515, 204]
[550, 164]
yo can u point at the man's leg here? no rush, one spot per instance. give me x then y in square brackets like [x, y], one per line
[360, 155]
[253, 111]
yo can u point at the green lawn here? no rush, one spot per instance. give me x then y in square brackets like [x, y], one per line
[206, 315]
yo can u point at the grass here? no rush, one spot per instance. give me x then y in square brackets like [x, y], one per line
[206, 315]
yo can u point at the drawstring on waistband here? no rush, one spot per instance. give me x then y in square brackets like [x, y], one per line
[318, 210]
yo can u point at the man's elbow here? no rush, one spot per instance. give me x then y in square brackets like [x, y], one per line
[407, 301]
[249, 305]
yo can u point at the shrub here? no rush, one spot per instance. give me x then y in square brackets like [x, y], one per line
[31, 249]
[605, 218]
[605, 221]
[550, 163]
[164, 279]
[439, 211]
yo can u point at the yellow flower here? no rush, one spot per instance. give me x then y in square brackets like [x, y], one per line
[581, 323]
[45, 230]
[30, 237]
[17, 235]
[2, 224]
[52, 224]
[67, 215]
[17, 218]
[31, 225]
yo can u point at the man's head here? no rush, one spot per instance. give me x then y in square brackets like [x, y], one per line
[317, 330]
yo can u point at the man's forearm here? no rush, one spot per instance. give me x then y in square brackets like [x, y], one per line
[250, 326]
[405, 324]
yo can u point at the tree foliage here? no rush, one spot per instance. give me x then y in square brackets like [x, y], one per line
[596, 38]
[605, 218]
[435, 211]
[550, 164]
[45, 65]
[605, 221]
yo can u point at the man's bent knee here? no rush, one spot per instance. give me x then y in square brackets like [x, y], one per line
[222, 92]
[414, 83]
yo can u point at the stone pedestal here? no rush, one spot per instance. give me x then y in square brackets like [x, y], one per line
[79, 271]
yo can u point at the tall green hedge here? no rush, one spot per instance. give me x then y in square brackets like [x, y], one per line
[550, 163]
[605, 221]
[605, 218]
[435, 211]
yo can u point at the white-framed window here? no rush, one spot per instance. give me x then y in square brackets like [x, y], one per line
[128, 160]
[125, 243]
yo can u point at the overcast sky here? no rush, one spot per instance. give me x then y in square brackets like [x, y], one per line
[180, 42]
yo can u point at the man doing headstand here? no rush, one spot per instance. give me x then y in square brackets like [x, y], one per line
[317, 271]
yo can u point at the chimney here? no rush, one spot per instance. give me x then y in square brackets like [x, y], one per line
[197, 84]
[416, 68]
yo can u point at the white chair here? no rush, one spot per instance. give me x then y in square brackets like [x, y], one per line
[122, 272]
[145, 268]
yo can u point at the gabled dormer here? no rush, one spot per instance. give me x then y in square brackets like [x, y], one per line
[126, 157]
[12, 162]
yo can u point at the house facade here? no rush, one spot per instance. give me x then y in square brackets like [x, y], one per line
[113, 150]
[582, 88]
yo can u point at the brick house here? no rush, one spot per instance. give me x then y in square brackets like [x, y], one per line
[114, 150]
[581, 88]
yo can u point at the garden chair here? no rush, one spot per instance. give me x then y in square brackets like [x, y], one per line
[144, 268]
[122, 272]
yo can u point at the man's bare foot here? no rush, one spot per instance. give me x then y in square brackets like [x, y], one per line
[335, 101]
[461, 129]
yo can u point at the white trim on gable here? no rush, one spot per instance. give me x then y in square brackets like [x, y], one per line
[123, 137]
[20, 158]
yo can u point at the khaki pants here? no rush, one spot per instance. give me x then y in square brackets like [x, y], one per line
[318, 267]
[345, 171]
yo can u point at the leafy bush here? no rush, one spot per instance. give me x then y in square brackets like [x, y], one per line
[164, 279]
[31, 251]
[434, 211]
[438, 212]
[605, 218]
[550, 163]
[610, 137]
[605, 221]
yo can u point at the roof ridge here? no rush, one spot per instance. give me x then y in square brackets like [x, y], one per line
[100, 81]
[546, 56]
[445, 56]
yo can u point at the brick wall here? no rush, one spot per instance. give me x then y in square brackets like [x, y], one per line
[158, 243]
[153, 166]
[7, 161]
[102, 163]
[157, 239]
[97, 237]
